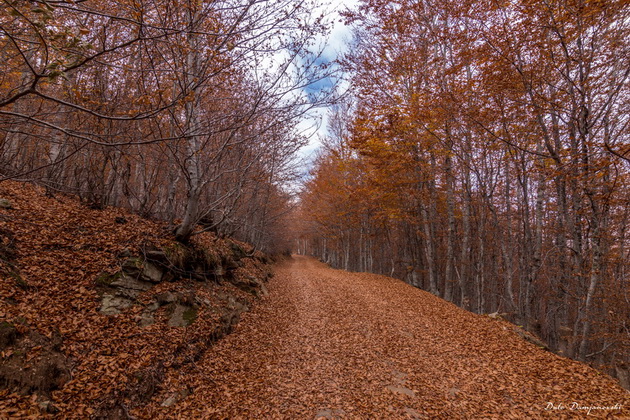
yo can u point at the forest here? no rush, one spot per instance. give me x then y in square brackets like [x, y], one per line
[479, 150]
[484, 156]
[180, 110]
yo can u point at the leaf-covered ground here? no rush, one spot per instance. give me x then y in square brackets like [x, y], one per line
[332, 344]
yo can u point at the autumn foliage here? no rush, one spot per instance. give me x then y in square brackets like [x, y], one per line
[179, 110]
[485, 158]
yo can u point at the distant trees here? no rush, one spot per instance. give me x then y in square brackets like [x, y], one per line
[489, 147]
[176, 109]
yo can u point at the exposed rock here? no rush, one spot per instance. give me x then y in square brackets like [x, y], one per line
[132, 266]
[248, 284]
[166, 298]
[263, 291]
[238, 251]
[157, 255]
[113, 305]
[502, 315]
[182, 316]
[152, 273]
[240, 307]
[106, 279]
[121, 291]
[125, 253]
[187, 299]
[142, 270]
[176, 397]
[170, 401]
[400, 377]
[229, 320]
[147, 317]
[126, 282]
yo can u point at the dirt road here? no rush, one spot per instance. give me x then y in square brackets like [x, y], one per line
[327, 343]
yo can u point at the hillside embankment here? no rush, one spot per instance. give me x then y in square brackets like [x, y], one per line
[98, 307]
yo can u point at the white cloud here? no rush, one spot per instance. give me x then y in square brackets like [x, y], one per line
[334, 45]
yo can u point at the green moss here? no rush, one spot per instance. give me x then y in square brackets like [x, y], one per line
[106, 279]
[6, 204]
[190, 315]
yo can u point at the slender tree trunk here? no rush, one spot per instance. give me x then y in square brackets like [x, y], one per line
[193, 141]
[429, 250]
[537, 257]
[506, 249]
[466, 234]
[450, 248]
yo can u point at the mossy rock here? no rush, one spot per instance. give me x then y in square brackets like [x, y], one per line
[190, 315]
[133, 265]
[182, 315]
[6, 204]
[106, 279]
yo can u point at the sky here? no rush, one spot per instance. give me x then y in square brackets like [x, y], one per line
[315, 124]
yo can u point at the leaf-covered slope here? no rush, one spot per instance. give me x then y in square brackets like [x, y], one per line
[55, 253]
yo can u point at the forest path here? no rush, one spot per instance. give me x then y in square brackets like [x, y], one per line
[331, 344]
